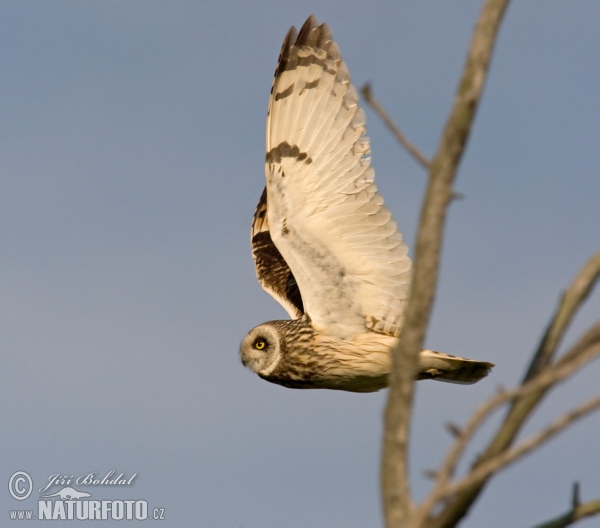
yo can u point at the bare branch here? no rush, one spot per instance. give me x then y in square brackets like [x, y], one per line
[587, 340]
[584, 510]
[369, 98]
[570, 302]
[577, 512]
[396, 496]
[524, 405]
[505, 458]
[453, 429]
[587, 348]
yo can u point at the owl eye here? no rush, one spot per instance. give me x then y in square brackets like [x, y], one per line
[260, 344]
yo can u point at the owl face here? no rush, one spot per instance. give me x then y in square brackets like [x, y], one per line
[261, 349]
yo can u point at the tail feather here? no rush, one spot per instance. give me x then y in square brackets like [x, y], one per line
[452, 369]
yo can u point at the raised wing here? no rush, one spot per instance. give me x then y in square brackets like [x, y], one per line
[325, 215]
[272, 271]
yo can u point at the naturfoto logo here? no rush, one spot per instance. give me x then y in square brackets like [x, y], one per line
[61, 498]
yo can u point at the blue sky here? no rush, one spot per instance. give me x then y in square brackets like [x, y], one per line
[132, 147]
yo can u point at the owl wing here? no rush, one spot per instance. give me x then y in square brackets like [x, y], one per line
[325, 216]
[272, 271]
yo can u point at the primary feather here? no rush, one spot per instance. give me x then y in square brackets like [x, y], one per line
[325, 215]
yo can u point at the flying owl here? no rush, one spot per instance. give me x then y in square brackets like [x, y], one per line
[323, 243]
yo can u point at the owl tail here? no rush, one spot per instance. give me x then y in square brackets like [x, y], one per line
[452, 369]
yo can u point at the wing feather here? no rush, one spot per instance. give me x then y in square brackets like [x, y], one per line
[325, 216]
[272, 271]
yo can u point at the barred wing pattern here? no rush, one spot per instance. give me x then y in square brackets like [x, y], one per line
[324, 214]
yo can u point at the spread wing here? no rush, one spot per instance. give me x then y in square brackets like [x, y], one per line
[272, 271]
[325, 216]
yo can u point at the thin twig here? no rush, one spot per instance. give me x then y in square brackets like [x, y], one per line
[570, 302]
[369, 98]
[523, 406]
[505, 458]
[550, 377]
[588, 339]
[577, 512]
[581, 353]
[587, 509]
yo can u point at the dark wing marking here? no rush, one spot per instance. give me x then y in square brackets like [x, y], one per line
[272, 271]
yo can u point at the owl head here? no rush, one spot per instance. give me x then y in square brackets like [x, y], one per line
[260, 350]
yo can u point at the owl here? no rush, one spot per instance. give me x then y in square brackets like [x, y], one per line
[324, 244]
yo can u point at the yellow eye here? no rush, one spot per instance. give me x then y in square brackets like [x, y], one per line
[259, 344]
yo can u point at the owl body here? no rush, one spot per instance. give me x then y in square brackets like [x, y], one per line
[296, 356]
[323, 242]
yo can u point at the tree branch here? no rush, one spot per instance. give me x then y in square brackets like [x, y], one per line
[524, 405]
[396, 496]
[500, 461]
[369, 98]
[577, 512]
[581, 353]
[570, 302]
[587, 509]
[586, 349]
